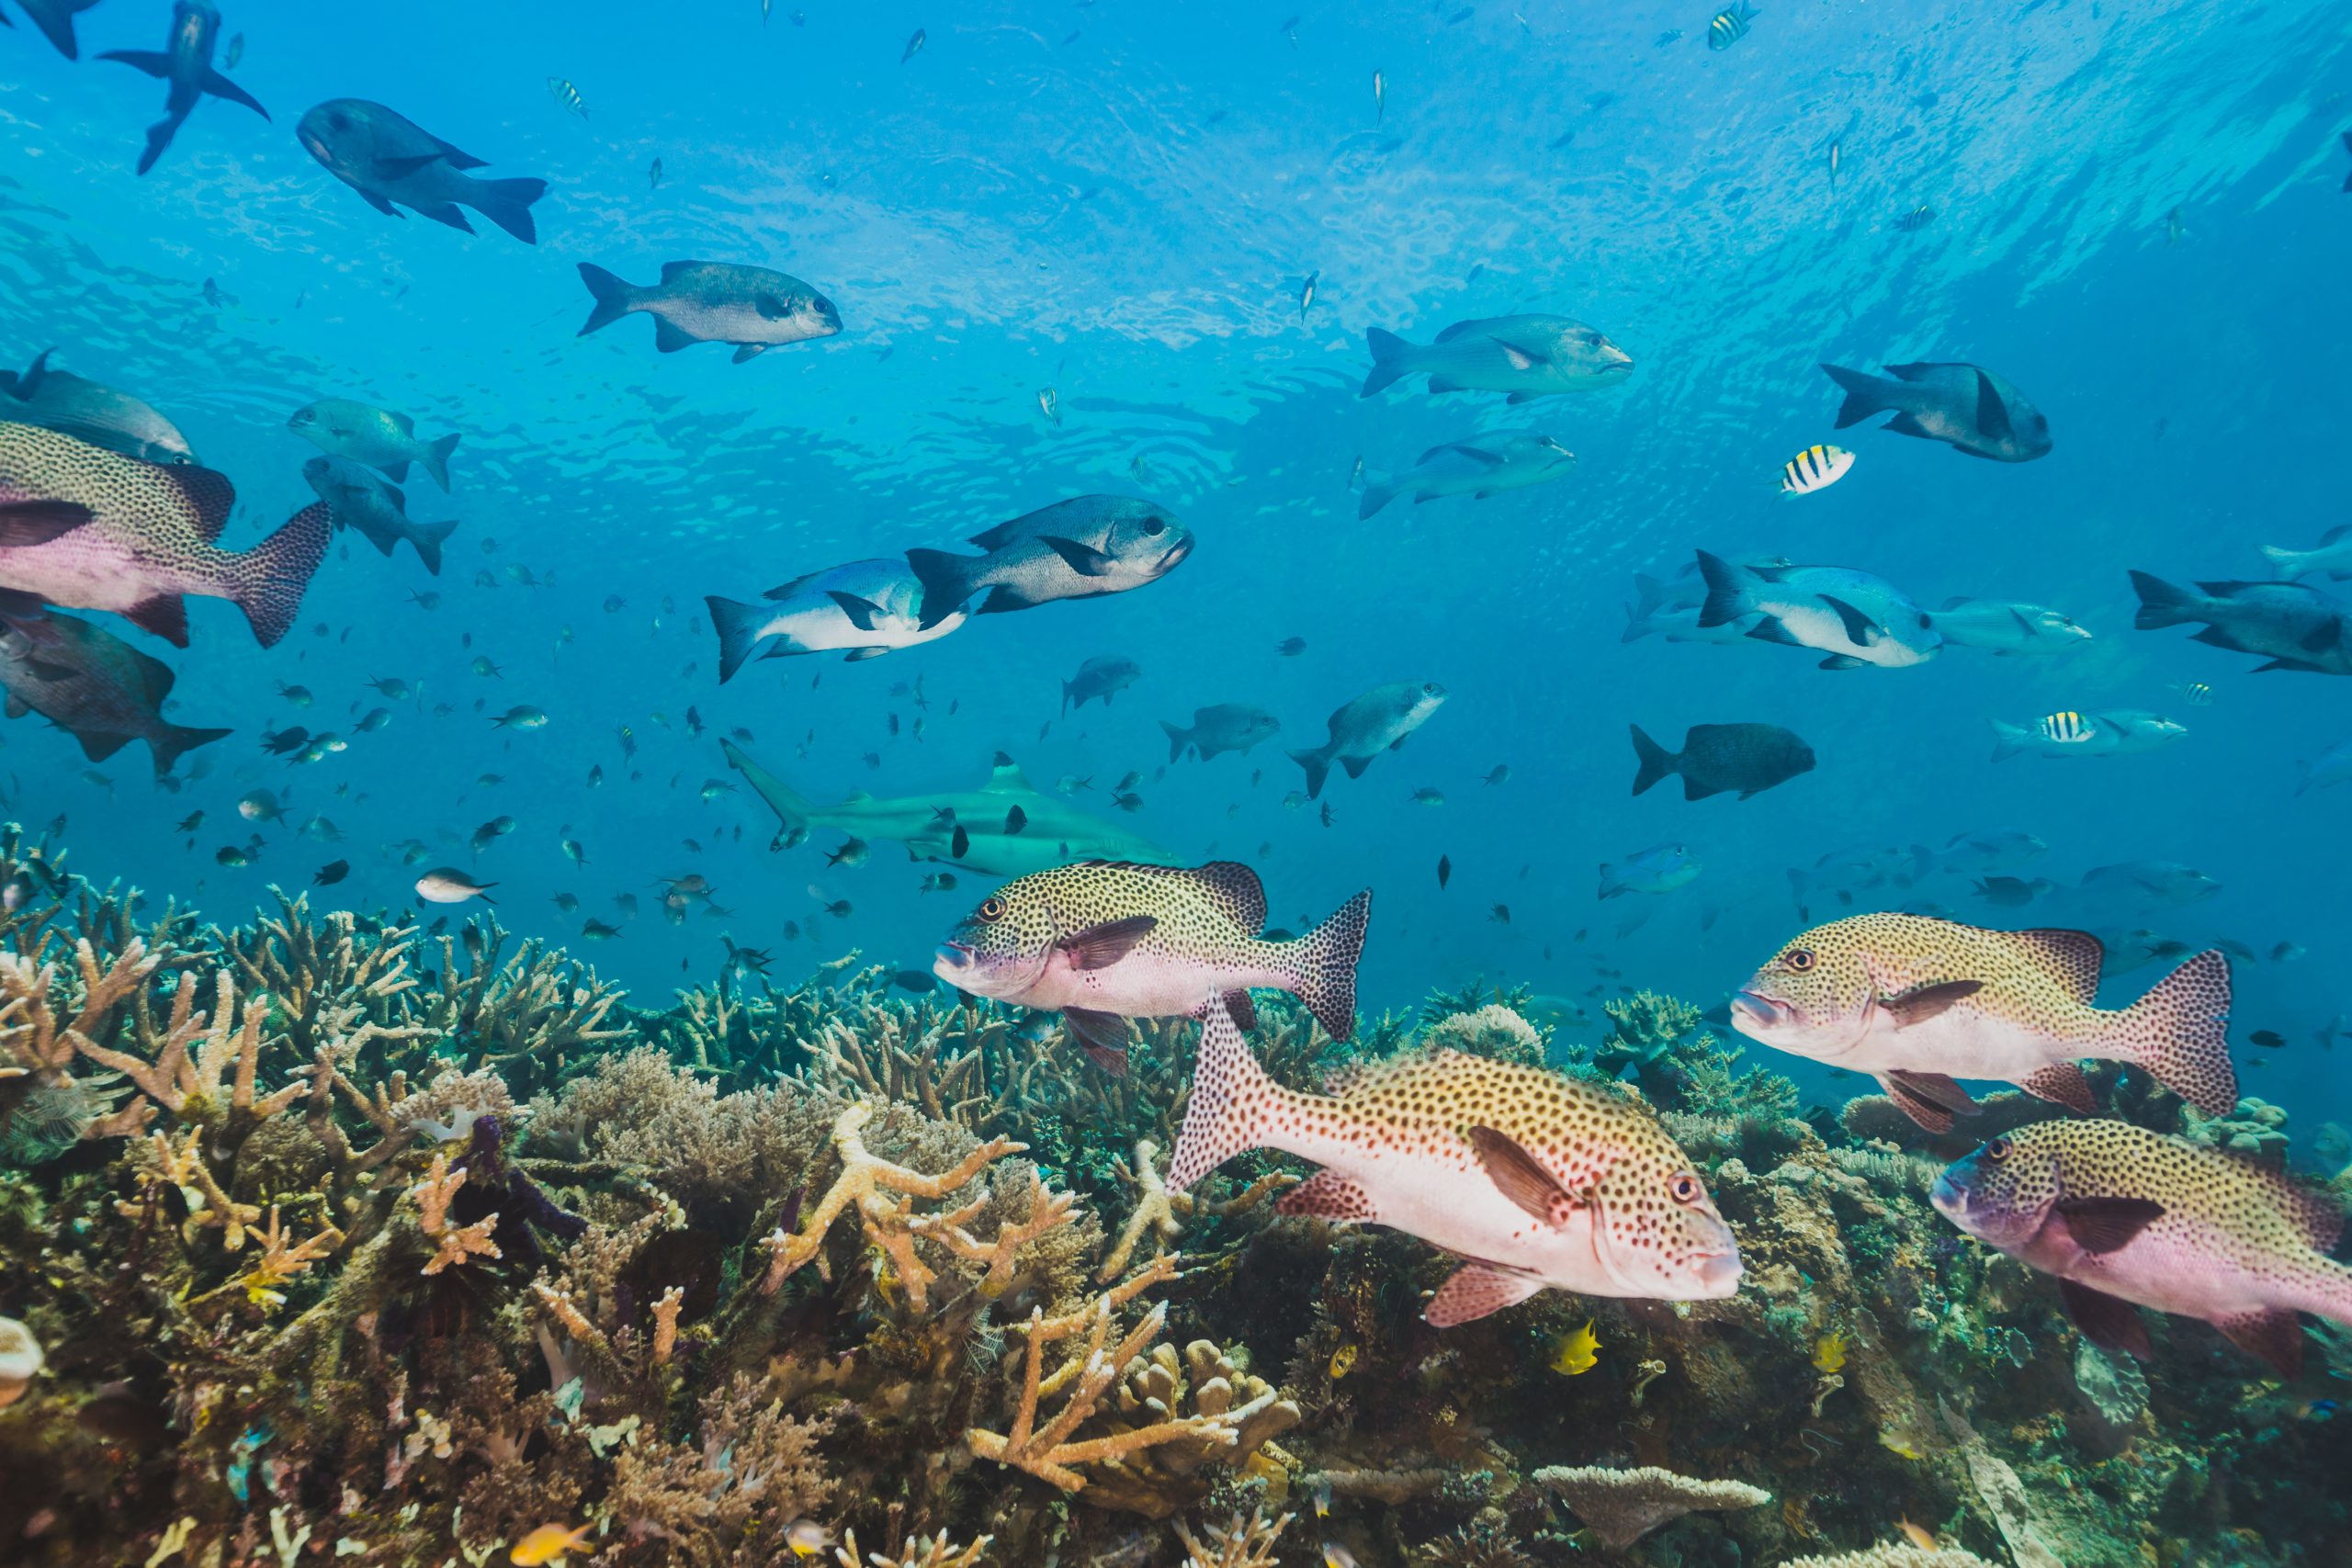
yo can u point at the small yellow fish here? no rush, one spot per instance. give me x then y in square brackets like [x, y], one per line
[807, 1537]
[1337, 1556]
[1579, 1353]
[1923, 1538]
[1829, 1351]
[547, 1544]
[1343, 1361]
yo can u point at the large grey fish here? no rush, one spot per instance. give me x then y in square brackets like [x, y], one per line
[1974, 410]
[1078, 548]
[378, 437]
[1851, 616]
[2007, 629]
[2294, 627]
[149, 538]
[362, 501]
[750, 307]
[1749, 758]
[1363, 727]
[388, 158]
[1528, 357]
[55, 20]
[862, 610]
[2125, 1217]
[1480, 467]
[185, 65]
[85, 681]
[87, 410]
[1219, 728]
[1100, 678]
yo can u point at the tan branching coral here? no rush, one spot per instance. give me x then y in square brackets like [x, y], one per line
[916, 1554]
[1623, 1505]
[1895, 1554]
[457, 1242]
[1156, 1481]
[1238, 1544]
[1161, 1213]
[182, 1165]
[281, 1260]
[884, 1055]
[188, 1084]
[1048, 1211]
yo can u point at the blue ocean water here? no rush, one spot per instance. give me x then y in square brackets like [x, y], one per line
[2134, 213]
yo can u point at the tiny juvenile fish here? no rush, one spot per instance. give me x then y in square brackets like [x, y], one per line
[1919, 1002]
[564, 93]
[1540, 1179]
[1577, 1353]
[547, 1543]
[1916, 220]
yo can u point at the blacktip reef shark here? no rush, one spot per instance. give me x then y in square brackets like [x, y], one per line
[1003, 828]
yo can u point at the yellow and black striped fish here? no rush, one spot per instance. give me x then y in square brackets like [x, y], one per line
[567, 95]
[1730, 24]
[1815, 468]
[2196, 693]
[2068, 727]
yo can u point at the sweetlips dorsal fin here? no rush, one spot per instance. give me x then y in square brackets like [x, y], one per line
[1231, 887]
[208, 494]
[2069, 957]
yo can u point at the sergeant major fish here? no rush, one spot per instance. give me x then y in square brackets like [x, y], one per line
[1480, 467]
[1102, 943]
[1535, 1179]
[1919, 1002]
[1078, 548]
[2125, 1217]
[378, 437]
[749, 307]
[1360, 729]
[1527, 356]
[388, 159]
[2116, 733]
[185, 66]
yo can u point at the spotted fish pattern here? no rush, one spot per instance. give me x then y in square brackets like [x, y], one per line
[1535, 1179]
[2123, 1216]
[150, 538]
[1921, 1002]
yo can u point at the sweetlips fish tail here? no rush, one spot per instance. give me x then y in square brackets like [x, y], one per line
[268, 581]
[2179, 1033]
[1322, 965]
[1236, 1107]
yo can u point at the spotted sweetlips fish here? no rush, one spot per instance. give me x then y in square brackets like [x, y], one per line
[1919, 1002]
[146, 537]
[1107, 940]
[1535, 1179]
[2123, 1216]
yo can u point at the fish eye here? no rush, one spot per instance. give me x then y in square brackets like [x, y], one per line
[1429, 688]
[1797, 960]
[1684, 1188]
[1924, 619]
[991, 908]
[1999, 1150]
[340, 122]
[1153, 525]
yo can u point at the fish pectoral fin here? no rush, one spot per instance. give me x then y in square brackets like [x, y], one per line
[2108, 1322]
[1772, 629]
[1908, 424]
[2063, 1083]
[1083, 560]
[1860, 630]
[1992, 413]
[1099, 947]
[669, 337]
[862, 613]
[401, 168]
[1521, 1178]
[1936, 1090]
[1519, 359]
[17, 707]
[746, 352]
[770, 307]
[1101, 1035]
[1926, 1112]
[2275, 1336]
[24, 524]
[2107, 1224]
[1476, 1291]
[1921, 1003]
[1842, 661]
[2329, 635]
[153, 61]
[1328, 1195]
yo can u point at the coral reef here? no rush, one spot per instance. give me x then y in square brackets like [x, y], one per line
[321, 1239]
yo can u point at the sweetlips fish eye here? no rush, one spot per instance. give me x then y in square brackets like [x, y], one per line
[1685, 1188]
[1998, 1149]
[991, 908]
[1797, 960]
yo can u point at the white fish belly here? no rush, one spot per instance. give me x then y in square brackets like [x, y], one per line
[1444, 1198]
[1959, 1045]
[1145, 986]
[93, 574]
[2204, 1277]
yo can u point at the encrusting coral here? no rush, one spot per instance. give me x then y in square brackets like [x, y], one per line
[342, 1242]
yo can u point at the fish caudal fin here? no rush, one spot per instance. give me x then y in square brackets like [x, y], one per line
[1865, 394]
[268, 581]
[435, 458]
[1323, 965]
[507, 203]
[2179, 1033]
[1177, 740]
[428, 538]
[1376, 494]
[1726, 590]
[1390, 358]
[170, 742]
[945, 586]
[1233, 1100]
[738, 625]
[611, 294]
[1656, 761]
[2009, 740]
[2163, 603]
[1318, 768]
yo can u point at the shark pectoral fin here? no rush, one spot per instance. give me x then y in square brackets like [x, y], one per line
[2108, 1322]
[1101, 1035]
[2063, 1083]
[1921, 1003]
[153, 61]
[1099, 947]
[1476, 1291]
[1520, 1178]
[2107, 1224]
[2277, 1336]
[1926, 1112]
[1083, 560]
[1328, 1195]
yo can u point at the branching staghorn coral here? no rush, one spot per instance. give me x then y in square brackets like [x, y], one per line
[1158, 1481]
[1238, 1544]
[524, 1017]
[457, 1242]
[917, 1552]
[1161, 1213]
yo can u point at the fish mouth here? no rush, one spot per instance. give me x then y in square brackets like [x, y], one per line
[1755, 1013]
[954, 958]
[1175, 556]
[1719, 1272]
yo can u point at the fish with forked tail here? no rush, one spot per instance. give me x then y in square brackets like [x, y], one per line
[93, 685]
[363, 501]
[149, 538]
[1078, 548]
[388, 159]
[1749, 758]
[1534, 1179]
[862, 610]
[1219, 728]
[2123, 1216]
[1362, 729]
[1527, 356]
[185, 66]
[1967, 406]
[1851, 617]
[1103, 941]
[2293, 625]
[378, 437]
[1919, 1002]
[749, 308]
[1479, 467]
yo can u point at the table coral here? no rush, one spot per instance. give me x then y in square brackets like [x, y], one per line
[1623, 1505]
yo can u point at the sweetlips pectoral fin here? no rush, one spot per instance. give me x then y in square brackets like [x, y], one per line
[1921, 1003]
[1936, 1090]
[1926, 1113]
[1099, 947]
[1521, 1180]
[24, 524]
[2277, 1336]
[2063, 1083]
[1476, 1291]
[2107, 1224]
[1101, 1035]
[2108, 1322]
[1328, 1195]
